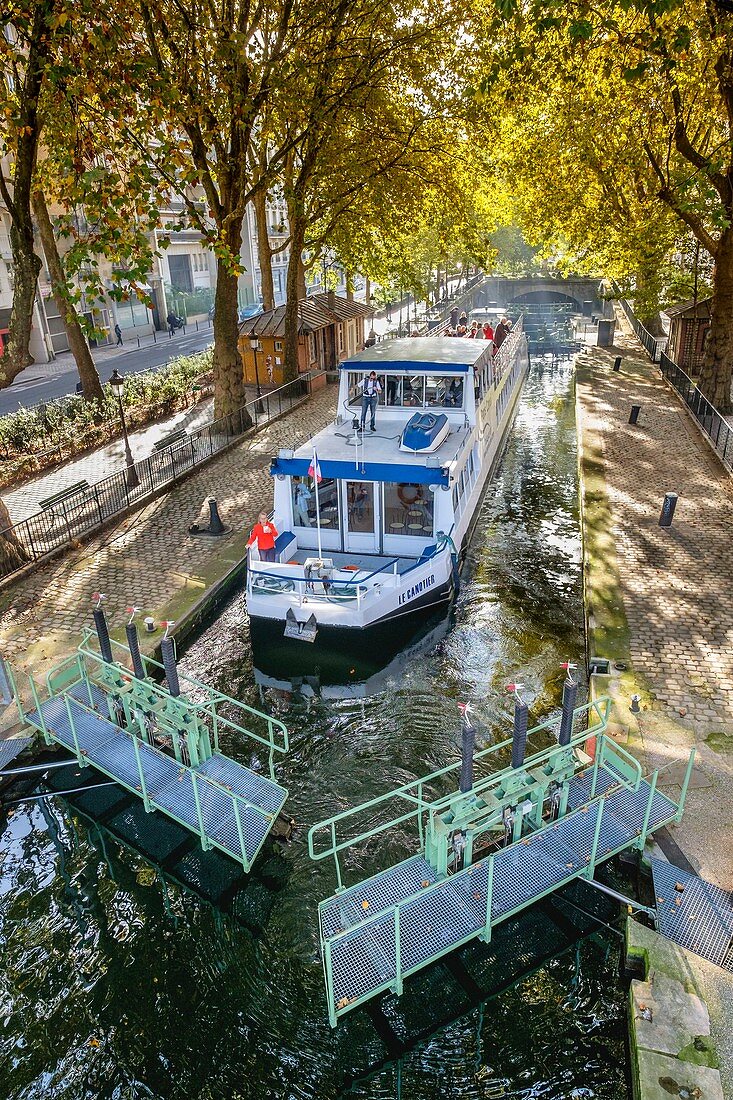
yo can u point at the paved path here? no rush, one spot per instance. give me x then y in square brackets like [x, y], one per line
[675, 584]
[149, 559]
[24, 501]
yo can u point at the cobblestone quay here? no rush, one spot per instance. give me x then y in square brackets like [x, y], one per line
[149, 559]
[659, 598]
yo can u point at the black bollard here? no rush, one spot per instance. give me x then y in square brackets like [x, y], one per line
[216, 527]
[617, 363]
[137, 662]
[105, 646]
[519, 741]
[168, 654]
[634, 414]
[569, 695]
[668, 506]
[468, 744]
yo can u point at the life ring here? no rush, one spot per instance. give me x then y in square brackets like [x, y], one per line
[406, 499]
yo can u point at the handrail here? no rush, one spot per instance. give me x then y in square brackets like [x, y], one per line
[349, 581]
[213, 696]
[153, 748]
[601, 707]
[598, 799]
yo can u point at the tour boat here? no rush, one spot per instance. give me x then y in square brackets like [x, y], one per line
[372, 524]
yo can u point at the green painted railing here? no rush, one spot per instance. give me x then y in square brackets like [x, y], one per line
[390, 915]
[275, 739]
[415, 792]
[238, 802]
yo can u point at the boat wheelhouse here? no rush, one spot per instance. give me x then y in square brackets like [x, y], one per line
[372, 523]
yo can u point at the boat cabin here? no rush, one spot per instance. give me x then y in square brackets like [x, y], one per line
[393, 491]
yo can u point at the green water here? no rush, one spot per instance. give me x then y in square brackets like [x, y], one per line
[118, 984]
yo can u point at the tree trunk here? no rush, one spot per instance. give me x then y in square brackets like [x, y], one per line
[717, 367]
[91, 386]
[292, 315]
[229, 391]
[26, 266]
[264, 252]
[12, 552]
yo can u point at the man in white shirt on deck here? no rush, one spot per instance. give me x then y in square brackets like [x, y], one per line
[371, 390]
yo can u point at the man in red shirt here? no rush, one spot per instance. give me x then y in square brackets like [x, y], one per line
[264, 534]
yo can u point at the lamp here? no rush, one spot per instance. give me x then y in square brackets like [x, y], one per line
[254, 344]
[117, 385]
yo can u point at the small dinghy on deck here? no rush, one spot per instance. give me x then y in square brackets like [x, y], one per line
[424, 433]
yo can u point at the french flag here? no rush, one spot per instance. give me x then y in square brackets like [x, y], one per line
[314, 470]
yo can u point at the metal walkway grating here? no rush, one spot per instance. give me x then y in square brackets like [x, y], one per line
[169, 786]
[11, 748]
[698, 916]
[436, 916]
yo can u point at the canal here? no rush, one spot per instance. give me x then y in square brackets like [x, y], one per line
[126, 977]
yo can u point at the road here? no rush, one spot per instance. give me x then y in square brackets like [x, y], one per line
[44, 381]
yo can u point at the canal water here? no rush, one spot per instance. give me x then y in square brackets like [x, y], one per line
[119, 982]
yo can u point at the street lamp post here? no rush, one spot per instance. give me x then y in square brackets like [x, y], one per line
[255, 344]
[117, 385]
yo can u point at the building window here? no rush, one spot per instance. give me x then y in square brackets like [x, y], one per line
[408, 510]
[278, 345]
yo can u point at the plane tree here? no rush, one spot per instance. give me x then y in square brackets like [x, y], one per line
[676, 60]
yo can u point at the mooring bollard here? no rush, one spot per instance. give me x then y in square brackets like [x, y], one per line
[634, 414]
[133, 645]
[216, 527]
[617, 363]
[668, 506]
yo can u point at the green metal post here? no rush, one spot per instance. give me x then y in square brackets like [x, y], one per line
[340, 884]
[14, 688]
[420, 826]
[143, 784]
[271, 736]
[398, 952]
[204, 839]
[215, 727]
[82, 762]
[329, 982]
[596, 837]
[245, 861]
[37, 702]
[685, 784]
[647, 813]
[596, 766]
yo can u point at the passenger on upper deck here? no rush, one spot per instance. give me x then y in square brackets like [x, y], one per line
[502, 331]
[372, 387]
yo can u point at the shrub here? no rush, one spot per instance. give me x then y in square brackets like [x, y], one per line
[75, 423]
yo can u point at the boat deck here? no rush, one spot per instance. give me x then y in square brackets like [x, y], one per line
[387, 927]
[226, 804]
[367, 563]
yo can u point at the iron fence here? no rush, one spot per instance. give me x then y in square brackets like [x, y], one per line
[715, 426]
[90, 507]
[654, 345]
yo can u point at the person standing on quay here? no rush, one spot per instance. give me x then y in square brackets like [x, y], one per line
[264, 534]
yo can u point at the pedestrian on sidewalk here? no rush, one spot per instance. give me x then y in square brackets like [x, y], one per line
[270, 370]
[118, 334]
[264, 534]
[454, 317]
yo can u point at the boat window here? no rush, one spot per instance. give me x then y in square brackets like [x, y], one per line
[435, 391]
[453, 393]
[355, 378]
[360, 502]
[303, 495]
[393, 389]
[408, 509]
[412, 389]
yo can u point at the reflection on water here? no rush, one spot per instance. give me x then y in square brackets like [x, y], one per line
[120, 981]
